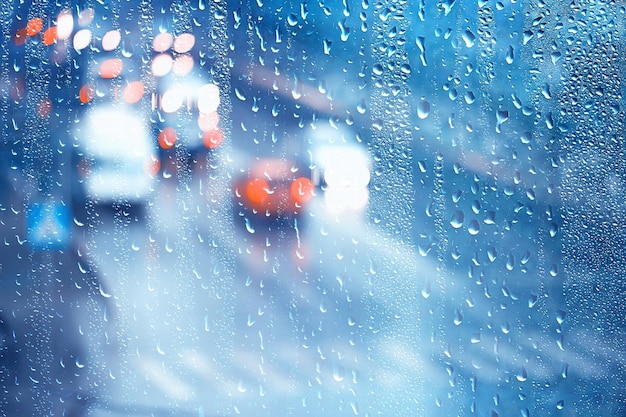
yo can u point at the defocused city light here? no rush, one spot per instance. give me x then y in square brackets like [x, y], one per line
[183, 64]
[257, 191]
[65, 24]
[85, 17]
[44, 107]
[184, 43]
[162, 64]
[173, 98]
[346, 173]
[34, 26]
[111, 68]
[208, 121]
[86, 93]
[111, 40]
[50, 36]
[213, 138]
[167, 138]
[162, 42]
[208, 98]
[82, 39]
[302, 190]
[133, 92]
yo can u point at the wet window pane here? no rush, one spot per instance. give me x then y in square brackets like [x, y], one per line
[215, 208]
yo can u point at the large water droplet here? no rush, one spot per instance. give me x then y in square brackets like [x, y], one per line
[423, 109]
[339, 373]
[474, 227]
[457, 219]
[469, 38]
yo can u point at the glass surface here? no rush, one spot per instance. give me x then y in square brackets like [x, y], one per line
[219, 208]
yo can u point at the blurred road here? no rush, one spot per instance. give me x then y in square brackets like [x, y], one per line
[323, 315]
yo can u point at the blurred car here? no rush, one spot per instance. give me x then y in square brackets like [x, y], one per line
[118, 161]
[273, 189]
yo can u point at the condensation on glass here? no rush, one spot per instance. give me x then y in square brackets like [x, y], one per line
[352, 208]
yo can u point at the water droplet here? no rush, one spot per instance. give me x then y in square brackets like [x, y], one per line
[423, 109]
[505, 327]
[527, 36]
[510, 262]
[240, 94]
[492, 254]
[474, 227]
[345, 30]
[501, 117]
[469, 38]
[447, 6]
[458, 317]
[554, 229]
[249, 226]
[339, 373]
[327, 44]
[362, 106]
[241, 387]
[522, 375]
[510, 55]
[292, 20]
[457, 219]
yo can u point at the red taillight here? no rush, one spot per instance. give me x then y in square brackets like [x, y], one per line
[257, 192]
[302, 190]
[213, 138]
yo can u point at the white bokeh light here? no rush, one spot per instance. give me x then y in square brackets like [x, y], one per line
[173, 98]
[208, 98]
[82, 39]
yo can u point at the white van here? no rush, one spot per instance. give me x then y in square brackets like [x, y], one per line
[119, 159]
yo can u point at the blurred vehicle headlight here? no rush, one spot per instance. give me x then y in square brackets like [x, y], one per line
[346, 176]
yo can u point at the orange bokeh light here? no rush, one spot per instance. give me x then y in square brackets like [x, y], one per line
[152, 166]
[50, 36]
[86, 93]
[20, 37]
[257, 191]
[213, 138]
[44, 107]
[167, 138]
[34, 26]
[302, 190]
[133, 92]
[111, 68]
